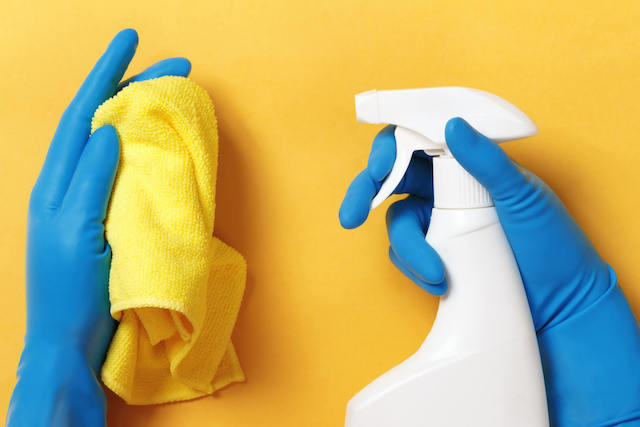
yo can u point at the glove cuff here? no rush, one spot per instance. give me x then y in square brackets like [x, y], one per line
[55, 387]
[592, 364]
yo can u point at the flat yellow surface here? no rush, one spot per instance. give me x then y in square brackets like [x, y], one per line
[325, 312]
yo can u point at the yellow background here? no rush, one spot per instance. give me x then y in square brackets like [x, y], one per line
[325, 312]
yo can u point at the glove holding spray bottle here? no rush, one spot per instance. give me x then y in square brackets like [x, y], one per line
[588, 337]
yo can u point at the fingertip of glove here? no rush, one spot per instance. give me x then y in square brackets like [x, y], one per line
[436, 290]
[437, 286]
[106, 132]
[349, 219]
[177, 66]
[184, 64]
[458, 129]
[106, 129]
[128, 35]
[107, 136]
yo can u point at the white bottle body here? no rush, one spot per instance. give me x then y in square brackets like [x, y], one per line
[480, 365]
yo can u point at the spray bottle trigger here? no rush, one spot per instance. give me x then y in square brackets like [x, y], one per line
[407, 141]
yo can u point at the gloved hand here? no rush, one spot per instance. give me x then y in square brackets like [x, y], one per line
[68, 259]
[588, 336]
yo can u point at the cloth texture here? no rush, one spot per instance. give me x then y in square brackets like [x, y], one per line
[174, 288]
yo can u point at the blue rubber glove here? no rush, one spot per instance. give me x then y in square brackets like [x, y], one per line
[588, 336]
[69, 326]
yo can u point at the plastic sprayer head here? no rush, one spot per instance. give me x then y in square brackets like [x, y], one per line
[426, 111]
[367, 107]
[420, 116]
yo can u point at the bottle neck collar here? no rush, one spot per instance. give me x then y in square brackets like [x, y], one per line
[455, 188]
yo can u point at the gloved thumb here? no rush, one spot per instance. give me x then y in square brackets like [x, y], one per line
[483, 159]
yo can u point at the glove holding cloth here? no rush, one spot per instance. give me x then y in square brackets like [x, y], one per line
[174, 288]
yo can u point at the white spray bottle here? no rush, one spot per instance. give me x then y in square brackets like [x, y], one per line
[480, 364]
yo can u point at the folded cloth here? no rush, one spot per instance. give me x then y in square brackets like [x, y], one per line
[174, 288]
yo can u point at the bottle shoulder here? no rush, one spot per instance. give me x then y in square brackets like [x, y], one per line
[449, 223]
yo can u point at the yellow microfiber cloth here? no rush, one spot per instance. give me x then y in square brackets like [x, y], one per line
[175, 289]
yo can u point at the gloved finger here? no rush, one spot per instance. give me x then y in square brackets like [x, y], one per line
[407, 221]
[354, 209]
[418, 177]
[417, 180]
[483, 159]
[167, 67]
[103, 80]
[436, 290]
[383, 153]
[90, 188]
[75, 126]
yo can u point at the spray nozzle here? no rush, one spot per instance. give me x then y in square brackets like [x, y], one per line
[420, 116]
